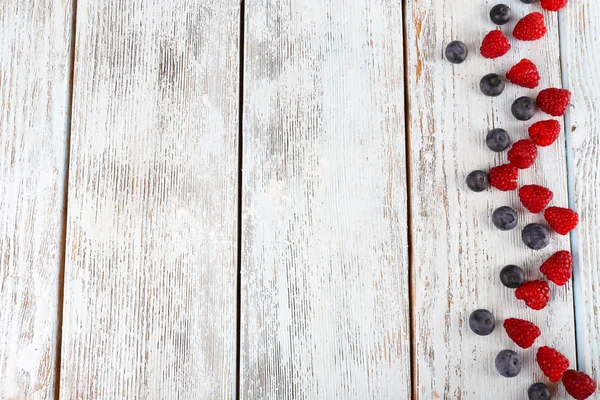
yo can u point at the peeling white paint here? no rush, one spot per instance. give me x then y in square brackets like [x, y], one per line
[35, 44]
[324, 267]
[150, 288]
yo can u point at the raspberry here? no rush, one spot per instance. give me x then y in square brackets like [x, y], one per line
[562, 220]
[525, 74]
[578, 384]
[494, 45]
[554, 101]
[504, 177]
[553, 5]
[552, 363]
[522, 332]
[535, 198]
[522, 154]
[530, 27]
[535, 294]
[544, 133]
[558, 268]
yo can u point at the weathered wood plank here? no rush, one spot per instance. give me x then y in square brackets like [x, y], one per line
[580, 28]
[150, 285]
[35, 46]
[325, 310]
[457, 253]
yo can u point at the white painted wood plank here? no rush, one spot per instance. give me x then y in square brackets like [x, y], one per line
[35, 46]
[457, 253]
[580, 28]
[325, 311]
[150, 285]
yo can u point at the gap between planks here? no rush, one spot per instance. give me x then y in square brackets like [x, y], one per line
[241, 48]
[63, 247]
[577, 305]
[409, 235]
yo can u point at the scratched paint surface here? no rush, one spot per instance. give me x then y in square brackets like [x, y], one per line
[150, 276]
[150, 300]
[580, 26]
[324, 261]
[457, 253]
[34, 100]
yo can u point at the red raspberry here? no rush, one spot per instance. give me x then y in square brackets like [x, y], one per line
[554, 101]
[525, 74]
[535, 294]
[504, 177]
[558, 268]
[494, 45]
[553, 5]
[578, 384]
[535, 198]
[522, 154]
[522, 332]
[530, 27]
[544, 133]
[562, 220]
[552, 363]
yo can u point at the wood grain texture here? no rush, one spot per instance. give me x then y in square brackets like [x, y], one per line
[325, 310]
[150, 282]
[35, 46]
[457, 253]
[580, 28]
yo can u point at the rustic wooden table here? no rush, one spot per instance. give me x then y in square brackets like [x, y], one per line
[206, 199]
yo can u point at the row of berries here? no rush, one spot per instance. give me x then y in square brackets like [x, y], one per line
[558, 268]
[523, 153]
[553, 364]
[534, 198]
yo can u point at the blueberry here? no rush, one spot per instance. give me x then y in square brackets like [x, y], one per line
[456, 52]
[536, 236]
[482, 322]
[508, 363]
[491, 85]
[477, 181]
[500, 14]
[539, 391]
[505, 218]
[528, 1]
[497, 140]
[523, 108]
[512, 276]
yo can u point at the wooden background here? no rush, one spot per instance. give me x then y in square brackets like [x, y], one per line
[208, 199]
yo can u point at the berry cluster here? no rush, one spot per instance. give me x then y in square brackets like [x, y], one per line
[535, 198]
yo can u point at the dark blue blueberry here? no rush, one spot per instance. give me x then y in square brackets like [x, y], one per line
[505, 218]
[512, 276]
[508, 363]
[523, 108]
[491, 85]
[497, 140]
[477, 181]
[482, 322]
[528, 1]
[500, 14]
[536, 236]
[539, 391]
[456, 52]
